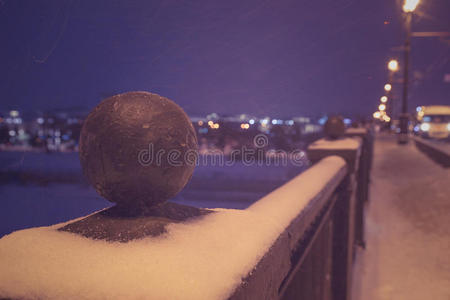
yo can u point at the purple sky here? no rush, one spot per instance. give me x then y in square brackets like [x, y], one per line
[277, 58]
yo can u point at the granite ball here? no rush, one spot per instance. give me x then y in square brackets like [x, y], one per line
[334, 127]
[138, 149]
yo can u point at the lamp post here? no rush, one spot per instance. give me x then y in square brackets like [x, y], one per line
[392, 67]
[408, 7]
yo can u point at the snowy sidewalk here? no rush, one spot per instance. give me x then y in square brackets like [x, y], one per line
[407, 227]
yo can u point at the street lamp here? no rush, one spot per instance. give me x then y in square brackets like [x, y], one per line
[387, 87]
[382, 107]
[408, 7]
[384, 99]
[393, 65]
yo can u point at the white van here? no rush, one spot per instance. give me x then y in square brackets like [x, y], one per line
[434, 121]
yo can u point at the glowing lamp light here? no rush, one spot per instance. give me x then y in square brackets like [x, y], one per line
[382, 107]
[200, 123]
[377, 115]
[393, 65]
[410, 5]
[384, 99]
[387, 87]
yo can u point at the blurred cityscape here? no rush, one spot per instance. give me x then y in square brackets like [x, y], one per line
[59, 131]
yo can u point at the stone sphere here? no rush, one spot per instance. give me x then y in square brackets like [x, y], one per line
[138, 149]
[334, 127]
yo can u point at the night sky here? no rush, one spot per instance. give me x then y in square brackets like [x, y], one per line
[277, 58]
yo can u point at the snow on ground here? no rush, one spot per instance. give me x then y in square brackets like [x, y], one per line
[407, 228]
[202, 259]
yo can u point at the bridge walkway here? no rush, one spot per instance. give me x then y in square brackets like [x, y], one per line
[407, 227]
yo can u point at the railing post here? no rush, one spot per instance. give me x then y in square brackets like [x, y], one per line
[362, 178]
[343, 241]
[126, 151]
[347, 214]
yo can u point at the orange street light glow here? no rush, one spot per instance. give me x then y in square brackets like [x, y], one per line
[410, 5]
[387, 87]
[384, 99]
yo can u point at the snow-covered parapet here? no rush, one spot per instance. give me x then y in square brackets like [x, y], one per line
[336, 144]
[338, 140]
[348, 148]
[146, 248]
[357, 130]
[355, 146]
[206, 258]
[438, 151]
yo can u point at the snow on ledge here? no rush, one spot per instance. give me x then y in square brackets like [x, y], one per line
[202, 259]
[349, 143]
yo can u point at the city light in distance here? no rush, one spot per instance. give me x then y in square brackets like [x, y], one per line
[387, 87]
[382, 107]
[213, 125]
[384, 99]
[245, 126]
[377, 115]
